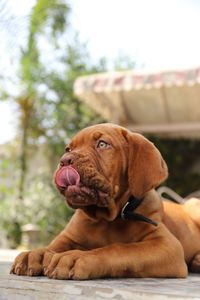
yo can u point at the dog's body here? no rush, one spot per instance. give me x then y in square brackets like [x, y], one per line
[102, 168]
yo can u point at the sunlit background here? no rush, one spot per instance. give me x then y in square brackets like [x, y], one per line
[156, 35]
[45, 46]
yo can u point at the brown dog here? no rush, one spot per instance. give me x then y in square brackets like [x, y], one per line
[121, 228]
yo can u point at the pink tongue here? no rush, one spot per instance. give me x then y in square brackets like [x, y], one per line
[67, 176]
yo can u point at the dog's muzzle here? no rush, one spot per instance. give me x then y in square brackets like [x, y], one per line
[68, 181]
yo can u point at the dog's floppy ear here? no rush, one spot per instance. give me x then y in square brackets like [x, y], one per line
[146, 167]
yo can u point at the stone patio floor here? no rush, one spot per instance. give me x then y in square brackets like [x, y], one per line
[14, 287]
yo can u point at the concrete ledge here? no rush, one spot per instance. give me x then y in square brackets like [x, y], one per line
[14, 287]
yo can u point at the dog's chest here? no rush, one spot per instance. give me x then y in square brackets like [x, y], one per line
[113, 232]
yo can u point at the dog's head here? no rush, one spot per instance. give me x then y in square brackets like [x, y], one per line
[103, 165]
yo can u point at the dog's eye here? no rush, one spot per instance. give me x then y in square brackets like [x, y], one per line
[67, 149]
[102, 145]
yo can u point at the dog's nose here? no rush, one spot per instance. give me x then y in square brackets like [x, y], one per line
[66, 160]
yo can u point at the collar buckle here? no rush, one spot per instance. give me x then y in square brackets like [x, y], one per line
[122, 214]
[127, 212]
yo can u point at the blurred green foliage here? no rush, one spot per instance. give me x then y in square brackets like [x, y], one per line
[49, 114]
[182, 156]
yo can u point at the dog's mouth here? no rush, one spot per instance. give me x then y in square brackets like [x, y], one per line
[80, 190]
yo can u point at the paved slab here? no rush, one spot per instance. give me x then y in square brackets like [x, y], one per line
[8, 254]
[14, 287]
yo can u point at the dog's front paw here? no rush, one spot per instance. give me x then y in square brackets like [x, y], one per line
[31, 263]
[74, 264]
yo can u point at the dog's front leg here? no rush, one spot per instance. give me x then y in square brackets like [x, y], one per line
[160, 256]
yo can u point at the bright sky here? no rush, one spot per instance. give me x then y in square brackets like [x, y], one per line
[157, 34]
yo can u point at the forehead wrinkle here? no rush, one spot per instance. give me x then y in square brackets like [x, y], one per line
[110, 135]
[93, 133]
[96, 135]
[83, 138]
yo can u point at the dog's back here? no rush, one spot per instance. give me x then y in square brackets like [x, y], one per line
[183, 220]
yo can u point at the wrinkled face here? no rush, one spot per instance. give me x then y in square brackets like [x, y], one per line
[105, 164]
[92, 172]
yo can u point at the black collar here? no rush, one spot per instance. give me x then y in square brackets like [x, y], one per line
[127, 212]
